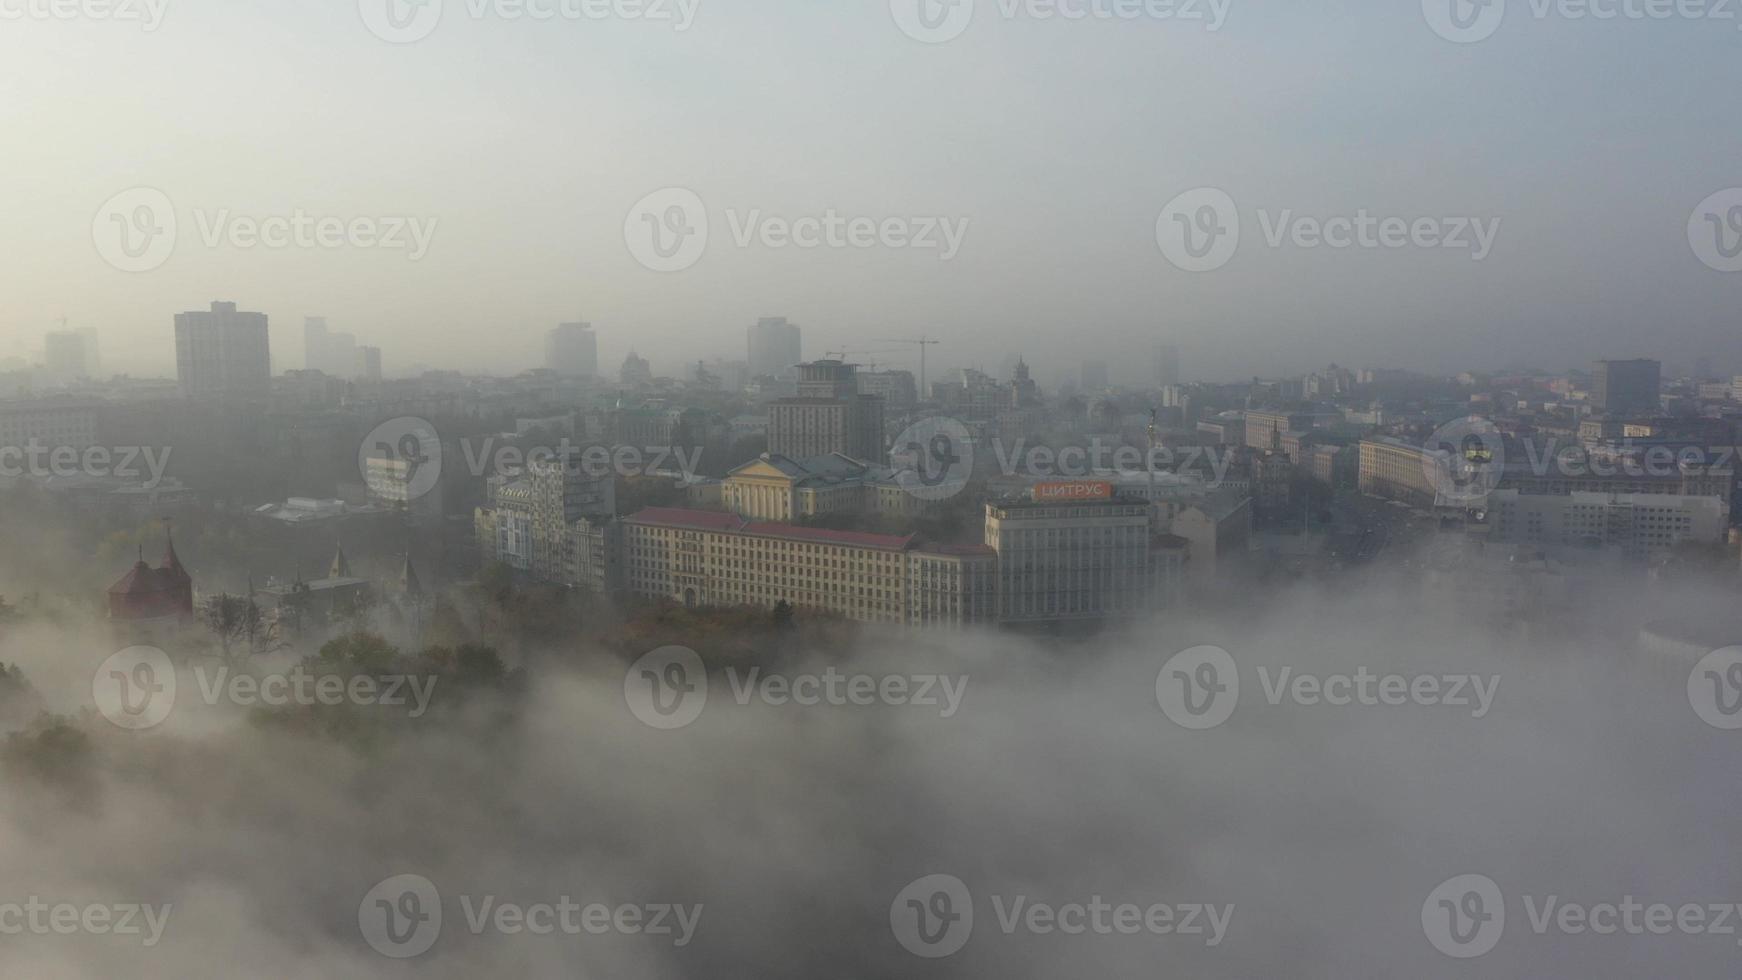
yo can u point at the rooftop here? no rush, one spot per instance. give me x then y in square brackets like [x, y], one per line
[707, 520]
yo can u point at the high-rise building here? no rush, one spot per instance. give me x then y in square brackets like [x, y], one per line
[636, 370]
[828, 416]
[572, 350]
[1166, 365]
[897, 388]
[314, 343]
[223, 351]
[333, 354]
[1627, 387]
[64, 356]
[776, 348]
[1076, 551]
[369, 363]
[93, 352]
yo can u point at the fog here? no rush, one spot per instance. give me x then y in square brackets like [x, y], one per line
[528, 142]
[795, 828]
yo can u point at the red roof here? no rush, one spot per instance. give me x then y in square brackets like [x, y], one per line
[701, 520]
[708, 520]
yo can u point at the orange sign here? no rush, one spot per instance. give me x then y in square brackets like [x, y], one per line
[1073, 490]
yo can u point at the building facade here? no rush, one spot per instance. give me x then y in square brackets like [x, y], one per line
[1626, 387]
[223, 352]
[572, 350]
[829, 416]
[775, 348]
[1639, 526]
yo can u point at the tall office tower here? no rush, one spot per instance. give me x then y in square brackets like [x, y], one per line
[333, 354]
[572, 350]
[776, 348]
[1627, 387]
[897, 388]
[64, 356]
[828, 416]
[314, 342]
[369, 363]
[93, 352]
[1166, 365]
[223, 352]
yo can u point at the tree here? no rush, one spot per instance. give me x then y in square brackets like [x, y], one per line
[782, 615]
[478, 665]
[17, 697]
[360, 649]
[235, 620]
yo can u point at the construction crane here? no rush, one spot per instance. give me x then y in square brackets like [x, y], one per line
[844, 354]
[923, 343]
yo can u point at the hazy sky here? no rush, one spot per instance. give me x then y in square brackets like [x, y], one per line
[1059, 141]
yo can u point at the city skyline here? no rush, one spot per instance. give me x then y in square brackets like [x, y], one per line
[1582, 258]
